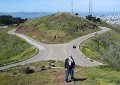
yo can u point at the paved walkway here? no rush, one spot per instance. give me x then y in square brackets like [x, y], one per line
[57, 51]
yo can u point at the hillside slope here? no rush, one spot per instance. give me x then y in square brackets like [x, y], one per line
[104, 47]
[57, 28]
[14, 49]
[83, 75]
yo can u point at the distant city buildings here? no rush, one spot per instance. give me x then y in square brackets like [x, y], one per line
[112, 19]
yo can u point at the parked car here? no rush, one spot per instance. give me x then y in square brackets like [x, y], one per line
[95, 33]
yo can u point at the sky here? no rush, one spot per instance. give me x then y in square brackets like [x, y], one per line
[58, 5]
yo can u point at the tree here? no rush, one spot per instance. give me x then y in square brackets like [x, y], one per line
[8, 20]
[76, 14]
[94, 19]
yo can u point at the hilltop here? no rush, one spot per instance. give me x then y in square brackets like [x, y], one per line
[57, 28]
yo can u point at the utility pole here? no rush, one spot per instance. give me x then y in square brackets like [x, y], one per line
[90, 7]
[72, 7]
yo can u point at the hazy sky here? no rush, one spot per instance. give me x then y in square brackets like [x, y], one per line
[58, 5]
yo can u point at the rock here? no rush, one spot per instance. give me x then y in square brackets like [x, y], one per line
[28, 70]
[42, 68]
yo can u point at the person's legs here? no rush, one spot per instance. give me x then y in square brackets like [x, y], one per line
[72, 74]
[67, 74]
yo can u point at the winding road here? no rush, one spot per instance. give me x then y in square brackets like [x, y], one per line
[57, 51]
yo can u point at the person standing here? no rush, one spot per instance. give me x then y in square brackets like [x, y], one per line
[69, 66]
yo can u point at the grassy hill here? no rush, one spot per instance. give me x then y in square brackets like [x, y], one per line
[85, 75]
[104, 47]
[13, 48]
[57, 28]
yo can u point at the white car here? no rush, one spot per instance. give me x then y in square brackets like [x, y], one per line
[95, 33]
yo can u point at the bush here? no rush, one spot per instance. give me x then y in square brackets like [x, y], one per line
[41, 68]
[93, 19]
[27, 70]
[76, 14]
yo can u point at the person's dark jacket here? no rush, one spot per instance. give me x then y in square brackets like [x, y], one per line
[67, 64]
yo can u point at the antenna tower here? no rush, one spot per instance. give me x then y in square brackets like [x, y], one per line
[90, 7]
[72, 7]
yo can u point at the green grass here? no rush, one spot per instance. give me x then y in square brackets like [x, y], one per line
[39, 78]
[13, 48]
[104, 47]
[95, 75]
[57, 28]
[98, 76]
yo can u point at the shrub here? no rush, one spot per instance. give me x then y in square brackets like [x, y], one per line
[76, 14]
[93, 19]
[27, 70]
[42, 68]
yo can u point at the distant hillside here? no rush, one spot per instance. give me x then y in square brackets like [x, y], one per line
[57, 28]
[25, 14]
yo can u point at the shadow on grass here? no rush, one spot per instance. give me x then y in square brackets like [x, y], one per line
[80, 79]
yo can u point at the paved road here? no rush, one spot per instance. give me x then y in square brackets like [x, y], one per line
[57, 51]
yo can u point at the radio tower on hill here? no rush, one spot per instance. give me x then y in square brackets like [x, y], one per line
[90, 7]
[72, 7]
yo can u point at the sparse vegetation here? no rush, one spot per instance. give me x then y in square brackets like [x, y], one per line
[14, 49]
[57, 28]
